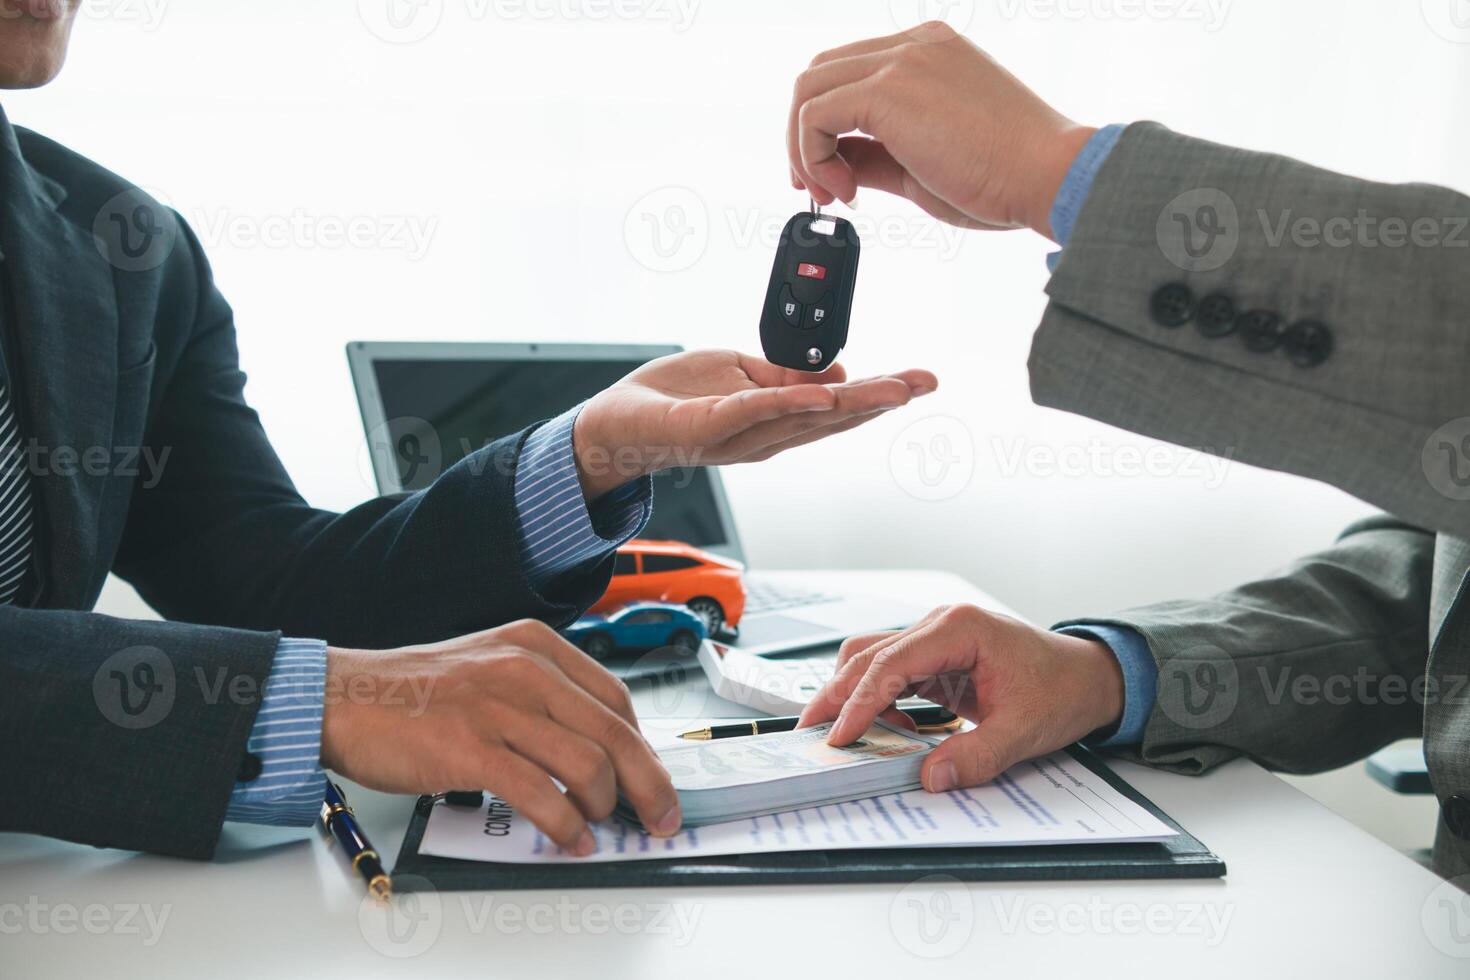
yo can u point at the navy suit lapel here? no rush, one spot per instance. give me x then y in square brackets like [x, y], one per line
[63, 366]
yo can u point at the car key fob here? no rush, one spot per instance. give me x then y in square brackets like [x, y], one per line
[804, 321]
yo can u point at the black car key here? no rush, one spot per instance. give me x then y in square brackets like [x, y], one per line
[804, 321]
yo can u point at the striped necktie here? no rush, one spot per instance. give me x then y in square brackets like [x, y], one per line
[15, 504]
[16, 531]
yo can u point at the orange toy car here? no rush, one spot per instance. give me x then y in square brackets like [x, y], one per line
[671, 571]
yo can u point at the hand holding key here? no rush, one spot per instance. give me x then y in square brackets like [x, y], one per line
[927, 115]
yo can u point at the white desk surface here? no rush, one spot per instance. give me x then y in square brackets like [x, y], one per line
[1307, 894]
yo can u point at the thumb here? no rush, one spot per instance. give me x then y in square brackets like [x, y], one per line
[975, 757]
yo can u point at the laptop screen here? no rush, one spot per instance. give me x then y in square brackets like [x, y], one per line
[468, 403]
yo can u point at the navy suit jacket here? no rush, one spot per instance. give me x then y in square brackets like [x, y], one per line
[118, 341]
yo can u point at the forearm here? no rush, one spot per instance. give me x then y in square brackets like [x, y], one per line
[1309, 669]
[442, 562]
[1333, 329]
[281, 777]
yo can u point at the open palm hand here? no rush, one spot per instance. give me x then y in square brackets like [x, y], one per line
[707, 408]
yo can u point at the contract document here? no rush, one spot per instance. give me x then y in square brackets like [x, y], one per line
[1050, 800]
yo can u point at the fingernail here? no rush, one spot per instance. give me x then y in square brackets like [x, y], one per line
[922, 390]
[889, 406]
[586, 844]
[668, 824]
[852, 201]
[943, 777]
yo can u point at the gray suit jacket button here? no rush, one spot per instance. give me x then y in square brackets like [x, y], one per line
[1171, 305]
[1457, 816]
[250, 768]
[1260, 330]
[1215, 316]
[1307, 343]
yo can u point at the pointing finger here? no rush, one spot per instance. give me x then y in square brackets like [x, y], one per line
[921, 653]
[852, 662]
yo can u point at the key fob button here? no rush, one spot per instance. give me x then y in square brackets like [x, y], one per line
[819, 313]
[807, 291]
[790, 308]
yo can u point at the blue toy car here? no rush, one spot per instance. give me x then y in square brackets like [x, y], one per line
[635, 627]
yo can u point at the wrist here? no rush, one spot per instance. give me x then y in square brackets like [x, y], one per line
[342, 665]
[1101, 679]
[1059, 151]
[600, 468]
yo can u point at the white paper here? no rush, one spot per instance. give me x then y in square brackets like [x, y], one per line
[1051, 800]
[773, 684]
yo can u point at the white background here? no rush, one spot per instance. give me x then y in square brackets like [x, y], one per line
[522, 139]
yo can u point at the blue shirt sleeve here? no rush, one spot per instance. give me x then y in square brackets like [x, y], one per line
[1140, 678]
[559, 532]
[1078, 183]
[287, 738]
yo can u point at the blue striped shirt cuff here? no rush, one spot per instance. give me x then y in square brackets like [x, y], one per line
[1078, 184]
[558, 531]
[1140, 678]
[287, 738]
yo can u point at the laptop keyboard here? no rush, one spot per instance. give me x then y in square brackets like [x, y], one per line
[762, 596]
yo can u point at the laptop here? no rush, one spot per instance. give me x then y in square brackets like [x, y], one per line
[427, 405]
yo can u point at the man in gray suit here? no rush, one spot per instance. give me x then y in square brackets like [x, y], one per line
[1213, 297]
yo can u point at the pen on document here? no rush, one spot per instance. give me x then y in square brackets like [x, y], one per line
[338, 818]
[929, 718]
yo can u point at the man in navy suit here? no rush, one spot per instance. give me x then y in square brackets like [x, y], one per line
[296, 639]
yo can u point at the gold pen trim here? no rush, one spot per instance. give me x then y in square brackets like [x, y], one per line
[362, 854]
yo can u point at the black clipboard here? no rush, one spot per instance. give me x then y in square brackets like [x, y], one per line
[1183, 856]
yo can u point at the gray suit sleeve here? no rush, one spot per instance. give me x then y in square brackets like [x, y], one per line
[1303, 671]
[1386, 268]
